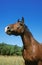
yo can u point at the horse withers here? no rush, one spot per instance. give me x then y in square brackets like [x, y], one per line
[32, 49]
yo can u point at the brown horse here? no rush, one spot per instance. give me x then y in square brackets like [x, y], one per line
[32, 50]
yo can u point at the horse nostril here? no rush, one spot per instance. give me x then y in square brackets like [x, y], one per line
[7, 27]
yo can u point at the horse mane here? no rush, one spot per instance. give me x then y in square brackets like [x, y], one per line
[27, 29]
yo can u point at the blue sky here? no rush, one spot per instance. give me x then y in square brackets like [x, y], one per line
[11, 10]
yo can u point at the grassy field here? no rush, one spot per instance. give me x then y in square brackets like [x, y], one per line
[11, 60]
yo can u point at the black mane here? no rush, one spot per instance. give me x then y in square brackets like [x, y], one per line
[28, 29]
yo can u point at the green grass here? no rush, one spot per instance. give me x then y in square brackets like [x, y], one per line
[11, 60]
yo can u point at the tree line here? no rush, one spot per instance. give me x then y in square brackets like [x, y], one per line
[6, 49]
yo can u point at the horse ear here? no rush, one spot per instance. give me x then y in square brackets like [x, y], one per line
[18, 20]
[22, 19]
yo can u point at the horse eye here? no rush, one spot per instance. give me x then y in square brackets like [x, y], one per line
[21, 24]
[18, 27]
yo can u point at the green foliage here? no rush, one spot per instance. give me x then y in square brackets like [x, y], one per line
[6, 49]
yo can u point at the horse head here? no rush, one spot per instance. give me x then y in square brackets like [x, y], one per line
[15, 29]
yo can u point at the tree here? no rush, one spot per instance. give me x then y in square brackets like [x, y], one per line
[6, 49]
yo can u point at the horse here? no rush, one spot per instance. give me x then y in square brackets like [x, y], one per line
[32, 49]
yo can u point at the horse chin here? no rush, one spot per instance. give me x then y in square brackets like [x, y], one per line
[9, 33]
[15, 33]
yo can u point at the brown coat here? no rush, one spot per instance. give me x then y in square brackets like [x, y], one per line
[32, 49]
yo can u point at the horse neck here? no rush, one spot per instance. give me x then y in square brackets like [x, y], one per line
[27, 38]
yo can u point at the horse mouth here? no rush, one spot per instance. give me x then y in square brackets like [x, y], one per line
[8, 32]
